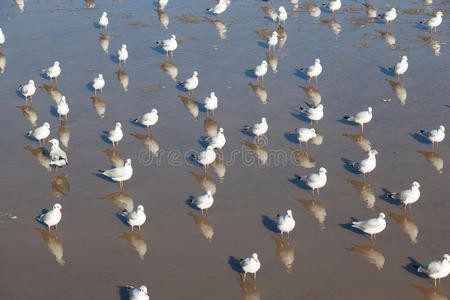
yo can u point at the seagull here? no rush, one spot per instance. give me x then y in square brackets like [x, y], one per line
[203, 202]
[260, 71]
[28, 90]
[435, 135]
[250, 265]
[138, 293]
[219, 8]
[408, 196]
[437, 269]
[51, 217]
[148, 119]
[372, 226]
[191, 83]
[313, 113]
[168, 45]
[122, 54]
[333, 5]
[161, 3]
[120, 174]
[206, 157]
[53, 71]
[315, 181]
[136, 217]
[211, 103]
[366, 165]
[58, 157]
[258, 129]
[272, 41]
[63, 108]
[285, 223]
[282, 14]
[115, 135]
[304, 135]
[217, 141]
[2, 37]
[401, 67]
[361, 118]
[40, 133]
[434, 22]
[103, 22]
[98, 84]
[389, 16]
[314, 70]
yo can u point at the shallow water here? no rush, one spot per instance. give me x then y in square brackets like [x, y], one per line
[180, 262]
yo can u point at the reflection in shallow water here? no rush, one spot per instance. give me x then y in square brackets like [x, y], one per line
[149, 142]
[312, 93]
[433, 44]
[219, 26]
[41, 156]
[120, 199]
[333, 25]
[210, 126]
[260, 92]
[249, 290]
[370, 10]
[2, 63]
[99, 106]
[360, 141]
[104, 42]
[370, 253]
[20, 4]
[407, 225]
[123, 78]
[314, 10]
[170, 69]
[29, 113]
[285, 253]
[270, 12]
[136, 242]
[90, 3]
[430, 293]
[219, 167]
[258, 151]
[399, 91]
[204, 226]
[273, 62]
[60, 184]
[315, 209]
[53, 92]
[282, 36]
[205, 181]
[365, 191]
[434, 159]
[163, 18]
[190, 105]
[318, 139]
[303, 159]
[64, 135]
[54, 245]
[114, 158]
[388, 37]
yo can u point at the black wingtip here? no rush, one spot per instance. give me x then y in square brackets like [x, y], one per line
[346, 117]
[422, 131]
[101, 171]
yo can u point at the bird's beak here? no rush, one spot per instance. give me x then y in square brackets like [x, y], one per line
[148, 294]
[157, 113]
[420, 187]
[62, 208]
[120, 126]
[378, 153]
[326, 172]
[49, 129]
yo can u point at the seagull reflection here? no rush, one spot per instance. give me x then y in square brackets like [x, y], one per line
[205, 181]
[114, 158]
[273, 61]
[285, 253]
[388, 37]
[136, 242]
[41, 156]
[334, 25]
[64, 135]
[312, 93]
[2, 63]
[270, 12]
[99, 106]
[170, 69]
[249, 290]
[163, 18]
[260, 92]
[149, 142]
[219, 26]
[258, 151]
[104, 42]
[90, 3]
[365, 191]
[210, 126]
[370, 253]
[29, 113]
[314, 10]
[407, 225]
[430, 41]
[303, 159]
[60, 185]
[53, 92]
[282, 36]
[434, 159]
[430, 293]
[318, 139]
[315, 209]
[399, 91]
[120, 199]
[219, 168]
[371, 11]
[204, 226]
[360, 141]
[20, 4]
[54, 245]
[191, 106]
[123, 78]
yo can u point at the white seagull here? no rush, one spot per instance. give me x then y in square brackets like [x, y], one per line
[372, 226]
[120, 174]
[435, 136]
[272, 41]
[437, 269]
[98, 83]
[282, 14]
[191, 83]
[206, 157]
[400, 67]
[408, 196]
[434, 22]
[260, 71]
[115, 135]
[258, 129]
[162, 3]
[313, 113]
[122, 54]
[53, 71]
[211, 103]
[63, 108]
[219, 8]
[58, 157]
[52, 217]
[168, 45]
[138, 293]
[28, 90]
[315, 181]
[366, 165]
[314, 70]
[2, 37]
[389, 16]
[148, 119]
[203, 202]
[333, 5]
[285, 223]
[41, 133]
[136, 217]
[217, 141]
[250, 265]
[103, 22]
[304, 135]
[361, 118]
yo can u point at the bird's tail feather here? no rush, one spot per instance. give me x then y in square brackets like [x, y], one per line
[422, 131]
[350, 118]
[29, 133]
[101, 171]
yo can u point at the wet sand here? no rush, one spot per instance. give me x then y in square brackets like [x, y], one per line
[180, 262]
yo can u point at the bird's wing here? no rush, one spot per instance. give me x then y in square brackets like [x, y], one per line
[433, 267]
[116, 172]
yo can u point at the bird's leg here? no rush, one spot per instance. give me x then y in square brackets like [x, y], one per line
[371, 237]
[139, 226]
[410, 207]
[362, 129]
[151, 130]
[56, 227]
[288, 235]
[364, 177]
[201, 211]
[213, 113]
[368, 177]
[132, 229]
[375, 237]
[310, 123]
[281, 235]
[318, 193]
[147, 130]
[317, 124]
[245, 275]
[254, 276]
[31, 98]
[262, 81]
[306, 146]
[439, 281]
[206, 212]
[435, 283]
[56, 80]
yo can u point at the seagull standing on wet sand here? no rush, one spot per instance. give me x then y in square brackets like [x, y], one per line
[304, 135]
[103, 22]
[28, 90]
[437, 269]
[40, 133]
[250, 265]
[63, 108]
[219, 8]
[217, 141]
[361, 118]
[58, 157]
[282, 14]
[120, 174]
[409, 196]
[315, 181]
[2, 37]
[372, 226]
[333, 5]
[122, 54]
[53, 71]
[136, 217]
[190, 84]
[260, 71]
[203, 202]
[168, 45]
[258, 129]
[435, 136]
[138, 293]
[389, 16]
[148, 119]
[161, 3]
[115, 135]
[52, 217]
[98, 84]
[206, 157]
[313, 113]
[434, 22]
[314, 70]
[400, 67]
[285, 223]
[272, 41]
[211, 103]
[366, 165]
